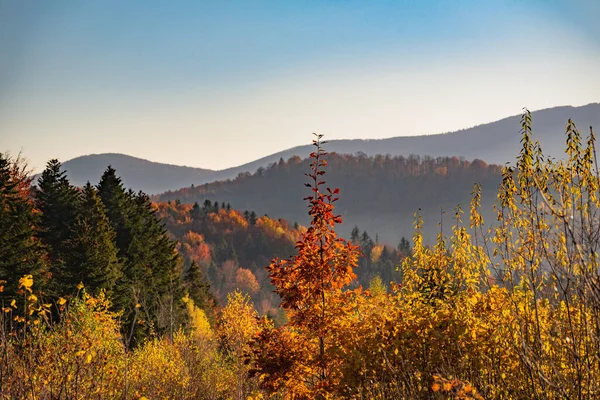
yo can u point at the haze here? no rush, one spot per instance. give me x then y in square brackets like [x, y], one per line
[219, 84]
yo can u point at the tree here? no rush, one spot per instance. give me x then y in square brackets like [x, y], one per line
[154, 267]
[404, 247]
[355, 234]
[238, 324]
[548, 259]
[20, 250]
[58, 202]
[198, 290]
[91, 255]
[118, 208]
[246, 281]
[195, 213]
[310, 286]
[152, 273]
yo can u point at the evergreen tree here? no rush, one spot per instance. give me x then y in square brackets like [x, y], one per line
[198, 289]
[92, 255]
[154, 268]
[195, 212]
[355, 235]
[57, 200]
[404, 247]
[152, 271]
[116, 202]
[20, 251]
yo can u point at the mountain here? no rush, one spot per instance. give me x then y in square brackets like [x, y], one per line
[496, 142]
[136, 173]
[379, 194]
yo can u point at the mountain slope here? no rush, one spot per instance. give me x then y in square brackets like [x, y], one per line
[496, 142]
[379, 194]
[136, 173]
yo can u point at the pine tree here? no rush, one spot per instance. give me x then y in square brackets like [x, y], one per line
[20, 251]
[116, 202]
[195, 212]
[198, 289]
[152, 268]
[92, 255]
[57, 200]
[404, 247]
[355, 235]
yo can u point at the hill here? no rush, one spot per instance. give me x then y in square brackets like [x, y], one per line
[231, 249]
[496, 142]
[380, 194]
[137, 173]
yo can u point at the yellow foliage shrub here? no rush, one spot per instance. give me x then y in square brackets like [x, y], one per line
[157, 370]
[81, 357]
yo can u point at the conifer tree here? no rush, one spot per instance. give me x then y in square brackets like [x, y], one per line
[20, 251]
[195, 212]
[92, 254]
[198, 289]
[115, 200]
[355, 235]
[57, 200]
[152, 269]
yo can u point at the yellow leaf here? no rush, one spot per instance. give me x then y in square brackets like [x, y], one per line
[13, 303]
[79, 286]
[33, 298]
[138, 305]
[61, 301]
[26, 282]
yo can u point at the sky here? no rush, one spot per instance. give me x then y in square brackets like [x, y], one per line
[216, 84]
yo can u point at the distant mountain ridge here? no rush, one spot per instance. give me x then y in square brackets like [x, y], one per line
[495, 142]
[136, 173]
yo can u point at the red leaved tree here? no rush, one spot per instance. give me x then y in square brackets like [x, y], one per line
[301, 355]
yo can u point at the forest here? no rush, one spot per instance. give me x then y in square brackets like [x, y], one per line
[381, 193]
[107, 294]
[230, 249]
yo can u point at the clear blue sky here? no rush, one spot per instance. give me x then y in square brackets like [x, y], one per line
[217, 84]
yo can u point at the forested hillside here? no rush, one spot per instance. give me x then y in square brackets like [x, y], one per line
[104, 238]
[231, 248]
[380, 194]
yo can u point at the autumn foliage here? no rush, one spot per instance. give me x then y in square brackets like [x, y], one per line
[310, 286]
[507, 310]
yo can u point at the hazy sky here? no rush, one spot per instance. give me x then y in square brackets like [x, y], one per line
[217, 84]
